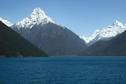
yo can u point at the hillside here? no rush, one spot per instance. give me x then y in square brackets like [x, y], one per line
[13, 45]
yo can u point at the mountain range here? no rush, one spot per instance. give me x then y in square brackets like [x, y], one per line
[57, 40]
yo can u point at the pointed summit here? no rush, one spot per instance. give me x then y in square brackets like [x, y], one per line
[37, 17]
[118, 24]
[38, 12]
[107, 32]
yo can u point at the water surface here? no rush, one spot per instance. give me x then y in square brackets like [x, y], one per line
[63, 70]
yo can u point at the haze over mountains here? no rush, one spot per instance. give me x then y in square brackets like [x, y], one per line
[57, 40]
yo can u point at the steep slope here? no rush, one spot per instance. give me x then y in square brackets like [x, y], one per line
[6, 22]
[12, 44]
[106, 33]
[114, 47]
[54, 39]
[37, 17]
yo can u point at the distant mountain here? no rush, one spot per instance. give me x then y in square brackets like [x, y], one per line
[54, 39]
[106, 33]
[12, 44]
[112, 47]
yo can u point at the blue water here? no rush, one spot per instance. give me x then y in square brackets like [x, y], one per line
[63, 70]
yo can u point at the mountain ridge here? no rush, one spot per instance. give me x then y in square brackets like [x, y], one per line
[37, 17]
[6, 22]
[106, 33]
[112, 47]
[51, 37]
[13, 45]
[42, 31]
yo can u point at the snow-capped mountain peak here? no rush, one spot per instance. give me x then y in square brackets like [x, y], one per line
[118, 23]
[107, 32]
[6, 22]
[37, 12]
[37, 17]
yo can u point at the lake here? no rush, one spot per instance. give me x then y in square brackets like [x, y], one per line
[63, 70]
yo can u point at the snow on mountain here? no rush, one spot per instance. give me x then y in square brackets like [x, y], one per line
[86, 39]
[37, 17]
[54, 39]
[107, 32]
[6, 22]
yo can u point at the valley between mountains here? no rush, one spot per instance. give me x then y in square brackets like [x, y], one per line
[39, 35]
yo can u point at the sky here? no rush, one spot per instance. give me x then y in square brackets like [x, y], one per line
[81, 16]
